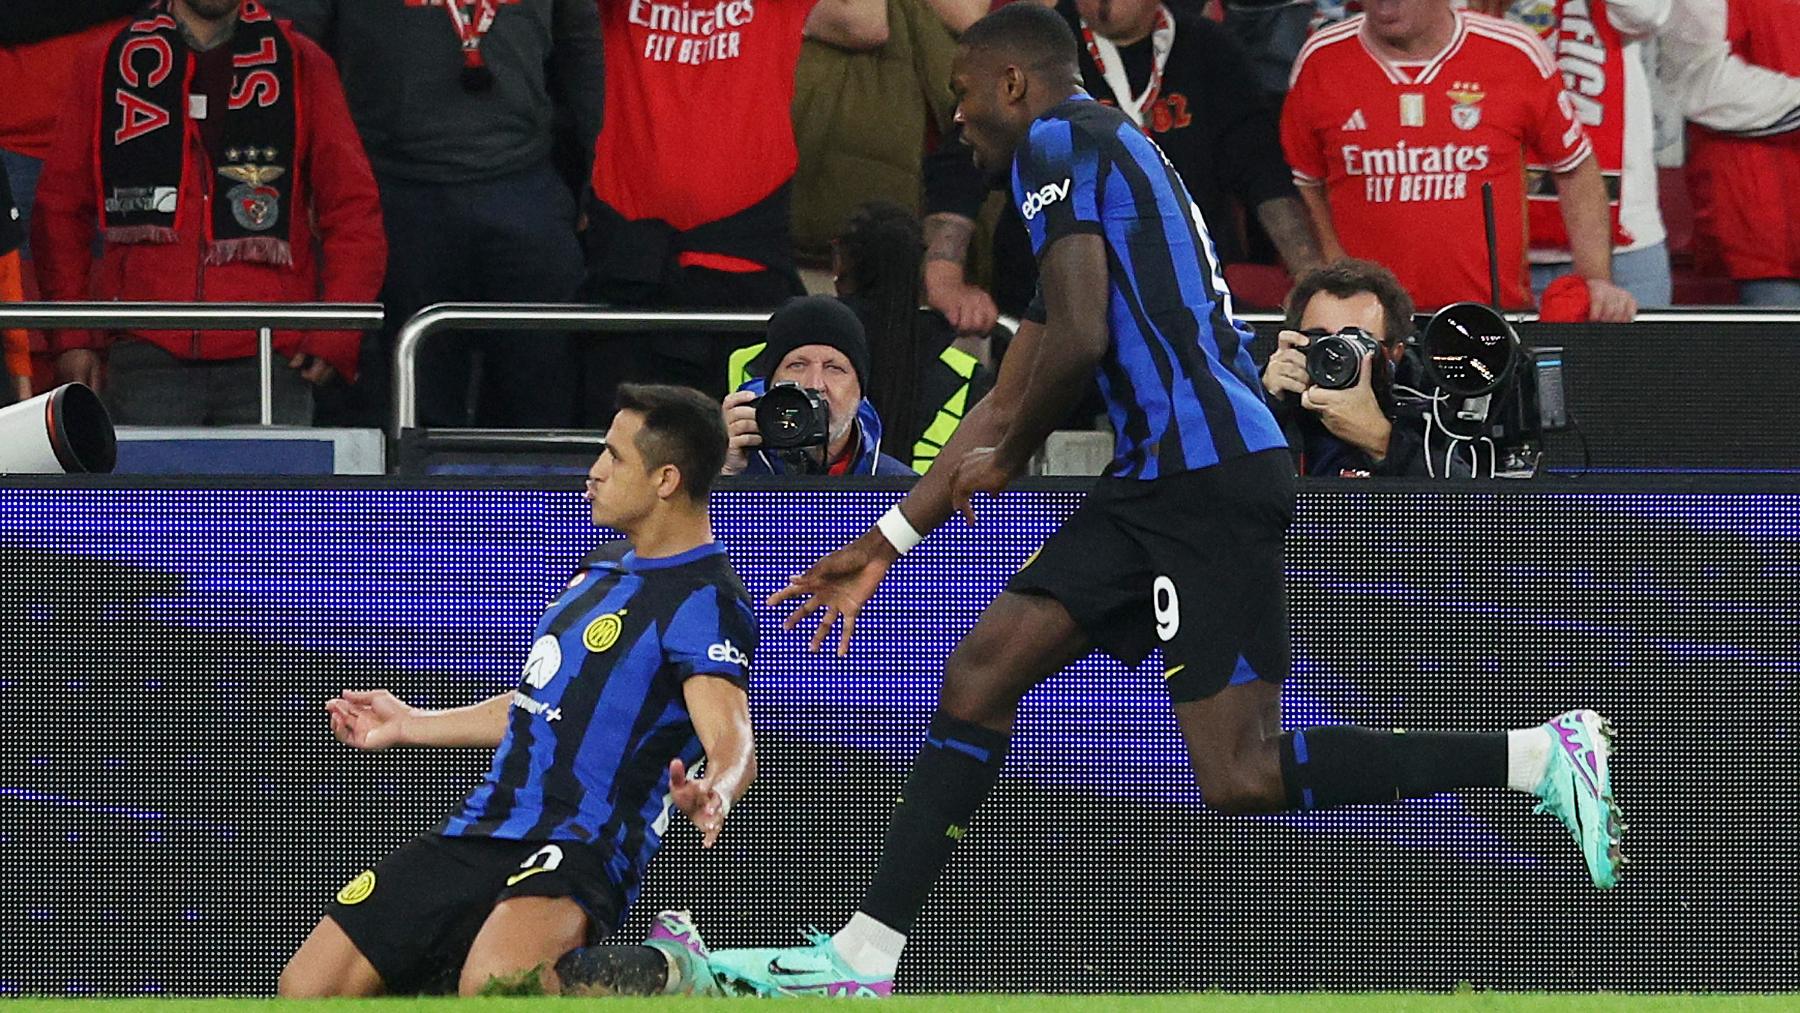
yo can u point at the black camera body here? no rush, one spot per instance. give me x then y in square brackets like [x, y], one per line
[1334, 361]
[792, 417]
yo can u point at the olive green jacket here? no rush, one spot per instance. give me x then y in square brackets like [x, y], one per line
[860, 122]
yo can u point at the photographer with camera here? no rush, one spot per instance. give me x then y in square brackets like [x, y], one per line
[1333, 376]
[803, 412]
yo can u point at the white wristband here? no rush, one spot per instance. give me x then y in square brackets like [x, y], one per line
[899, 532]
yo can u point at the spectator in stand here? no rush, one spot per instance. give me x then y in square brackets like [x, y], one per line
[12, 339]
[454, 103]
[1396, 118]
[1598, 45]
[1374, 427]
[862, 118]
[1734, 65]
[40, 41]
[225, 156]
[1271, 33]
[695, 168]
[923, 377]
[817, 342]
[1187, 84]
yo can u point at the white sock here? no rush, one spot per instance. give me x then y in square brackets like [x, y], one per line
[871, 948]
[1528, 757]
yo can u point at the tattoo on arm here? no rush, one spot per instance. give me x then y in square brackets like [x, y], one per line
[947, 237]
[1290, 229]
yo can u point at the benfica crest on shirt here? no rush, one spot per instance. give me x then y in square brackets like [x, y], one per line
[1466, 112]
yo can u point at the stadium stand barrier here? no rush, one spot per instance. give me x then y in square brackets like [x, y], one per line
[264, 318]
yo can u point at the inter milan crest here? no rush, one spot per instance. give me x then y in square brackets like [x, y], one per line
[255, 205]
[1466, 113]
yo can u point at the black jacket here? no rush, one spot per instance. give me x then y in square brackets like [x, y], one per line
[1321, 454]
[27, 21]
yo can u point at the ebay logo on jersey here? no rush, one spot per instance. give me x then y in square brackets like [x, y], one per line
[1048, 194]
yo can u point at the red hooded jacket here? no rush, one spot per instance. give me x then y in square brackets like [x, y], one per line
[339, 208]
[1746, 190]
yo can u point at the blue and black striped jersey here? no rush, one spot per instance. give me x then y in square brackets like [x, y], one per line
[600, 713]
[1179, 384]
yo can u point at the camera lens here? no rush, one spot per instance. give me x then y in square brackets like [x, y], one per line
[1334, 365]
[790, 417]
[1334, 361]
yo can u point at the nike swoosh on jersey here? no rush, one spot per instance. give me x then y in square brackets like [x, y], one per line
[1173, 672]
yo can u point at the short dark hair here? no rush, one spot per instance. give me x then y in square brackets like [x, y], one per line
[682, 427]
[1035, 35]
[1349, 277]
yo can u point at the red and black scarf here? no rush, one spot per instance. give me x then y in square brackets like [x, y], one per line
[146, 107]
[1591, 56]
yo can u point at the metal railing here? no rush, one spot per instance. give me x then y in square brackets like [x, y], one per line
[536, 317]
[264, 318]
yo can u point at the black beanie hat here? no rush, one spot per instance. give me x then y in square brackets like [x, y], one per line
[815, 320]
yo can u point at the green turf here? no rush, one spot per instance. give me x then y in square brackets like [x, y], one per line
[1376, 1002]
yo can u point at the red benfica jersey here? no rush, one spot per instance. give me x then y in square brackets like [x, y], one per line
[1402, 150]
[697, 96]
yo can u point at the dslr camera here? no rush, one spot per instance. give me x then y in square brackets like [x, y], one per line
[791, 417]
[1334, 361]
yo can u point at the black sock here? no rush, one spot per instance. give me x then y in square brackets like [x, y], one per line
[613, 970]
[1340, 765]
[955, 770]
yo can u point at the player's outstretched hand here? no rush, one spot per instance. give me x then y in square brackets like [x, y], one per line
[368, 719]
[698, 801]
[980, 470]
[838, 585]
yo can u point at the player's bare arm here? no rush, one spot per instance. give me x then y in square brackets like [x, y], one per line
[721, 714]
[1582, 193]
[1075, 337]
[839, 585]
[377, 719]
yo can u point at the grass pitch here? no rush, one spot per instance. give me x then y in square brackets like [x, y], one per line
[1367, 1002]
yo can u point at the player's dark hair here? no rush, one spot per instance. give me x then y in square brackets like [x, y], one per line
[682, 427]
[880, 246]
[1349, 277]
[1034, 35]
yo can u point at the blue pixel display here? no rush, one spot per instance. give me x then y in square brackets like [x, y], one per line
[178, 645]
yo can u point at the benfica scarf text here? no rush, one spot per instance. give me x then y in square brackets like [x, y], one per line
[146, 119]
[1591, 57]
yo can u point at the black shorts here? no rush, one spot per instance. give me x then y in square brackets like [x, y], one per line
[1191, 563]
[415, 915]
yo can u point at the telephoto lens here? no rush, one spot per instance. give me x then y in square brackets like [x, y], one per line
[791, 417]
[1334, 361]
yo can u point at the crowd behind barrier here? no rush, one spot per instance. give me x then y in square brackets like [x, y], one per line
[549, 153]
[225, 608]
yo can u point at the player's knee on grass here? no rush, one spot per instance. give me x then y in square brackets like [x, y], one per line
[518, 946]
[327, 964]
